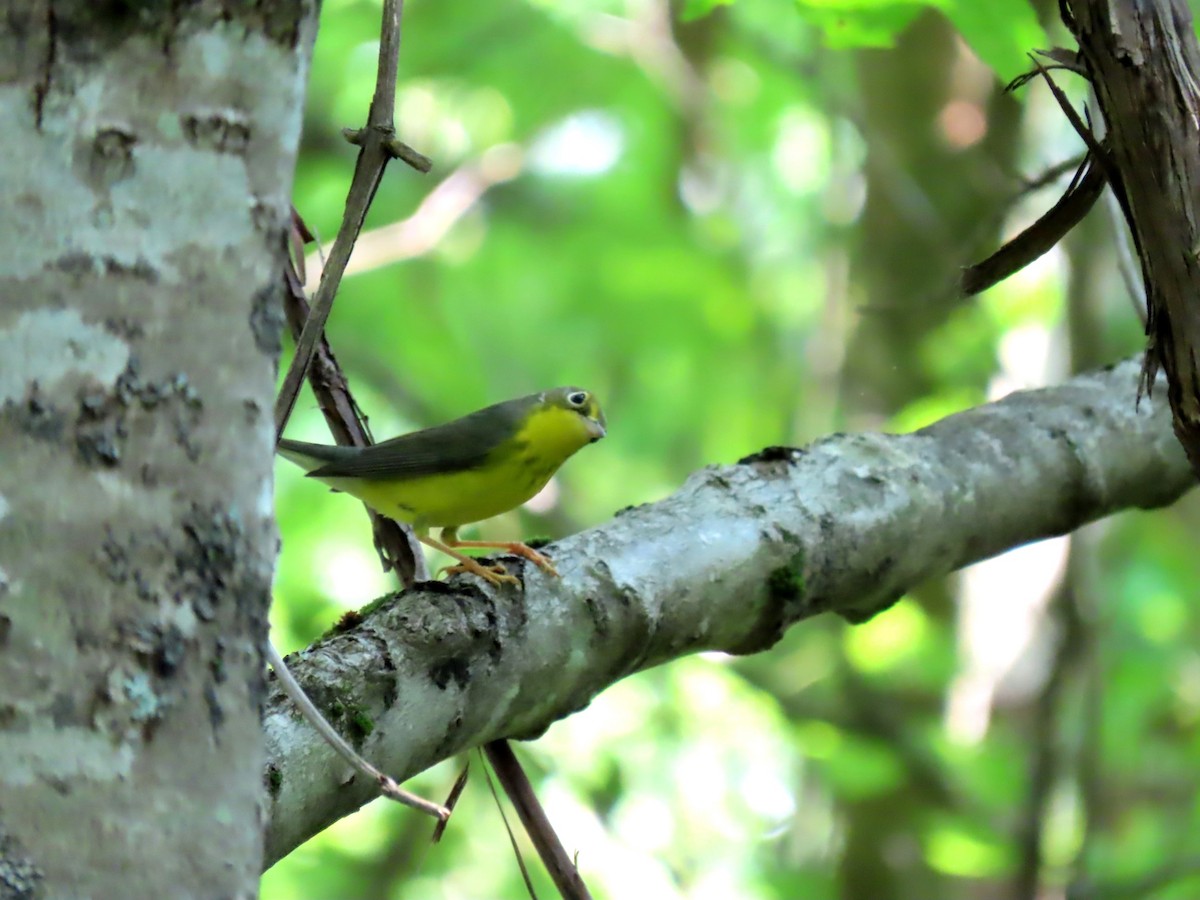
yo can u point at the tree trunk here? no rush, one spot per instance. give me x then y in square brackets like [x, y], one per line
[1144, 60]
[147, 159]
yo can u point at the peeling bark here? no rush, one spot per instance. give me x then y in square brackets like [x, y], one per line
[1144, 62]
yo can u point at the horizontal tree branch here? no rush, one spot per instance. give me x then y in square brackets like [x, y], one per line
[736, 556]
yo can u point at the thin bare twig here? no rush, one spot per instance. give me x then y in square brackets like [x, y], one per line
[377, 147]
[387, 785]
[512, 777]
[1127, 266]
[394, 543]
[1039, 237]
[1027, 246]
[341, 412]
[452, 798]
[456, 195]
[512, 838]
[1053, 173]
[1098, 150]
[1046, 755]
[372, 160]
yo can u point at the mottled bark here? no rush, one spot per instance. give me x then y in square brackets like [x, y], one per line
[146, 155]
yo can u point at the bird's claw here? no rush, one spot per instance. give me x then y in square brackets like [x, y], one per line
[538, 559]
[495, 574]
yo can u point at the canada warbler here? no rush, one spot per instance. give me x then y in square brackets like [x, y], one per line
[473, 468]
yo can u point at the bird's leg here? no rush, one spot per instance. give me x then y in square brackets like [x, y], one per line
[516, 548]
[495, 574]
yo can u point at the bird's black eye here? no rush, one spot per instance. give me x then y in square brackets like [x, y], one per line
[578, 399]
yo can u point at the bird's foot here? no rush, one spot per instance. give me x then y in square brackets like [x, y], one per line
[494, 574]
[538, 559]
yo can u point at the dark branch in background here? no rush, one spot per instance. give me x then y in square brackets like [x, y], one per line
[870, 711]
[1044, 737]
[729, 562]
[1084, 620]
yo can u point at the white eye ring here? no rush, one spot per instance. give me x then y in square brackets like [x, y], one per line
[578, 398]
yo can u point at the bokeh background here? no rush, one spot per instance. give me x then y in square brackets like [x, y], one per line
[740, 230]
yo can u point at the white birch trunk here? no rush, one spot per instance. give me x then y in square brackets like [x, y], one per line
[146, 159]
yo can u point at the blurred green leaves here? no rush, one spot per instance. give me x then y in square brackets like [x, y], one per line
[861, 23]
[702, 220]
[1002, 32]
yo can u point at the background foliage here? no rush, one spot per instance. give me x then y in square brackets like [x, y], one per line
[743, 228]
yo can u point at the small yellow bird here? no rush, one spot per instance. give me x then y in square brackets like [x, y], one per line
[471, 469]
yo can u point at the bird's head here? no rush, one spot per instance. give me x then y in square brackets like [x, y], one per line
[582, 404]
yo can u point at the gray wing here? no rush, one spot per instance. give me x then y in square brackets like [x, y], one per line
[465, 443]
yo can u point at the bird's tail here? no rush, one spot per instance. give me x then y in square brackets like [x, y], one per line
[313, 456]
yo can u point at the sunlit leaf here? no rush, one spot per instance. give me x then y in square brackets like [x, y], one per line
[1001, 32]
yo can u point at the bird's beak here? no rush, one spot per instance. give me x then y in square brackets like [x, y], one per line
[595, 429]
